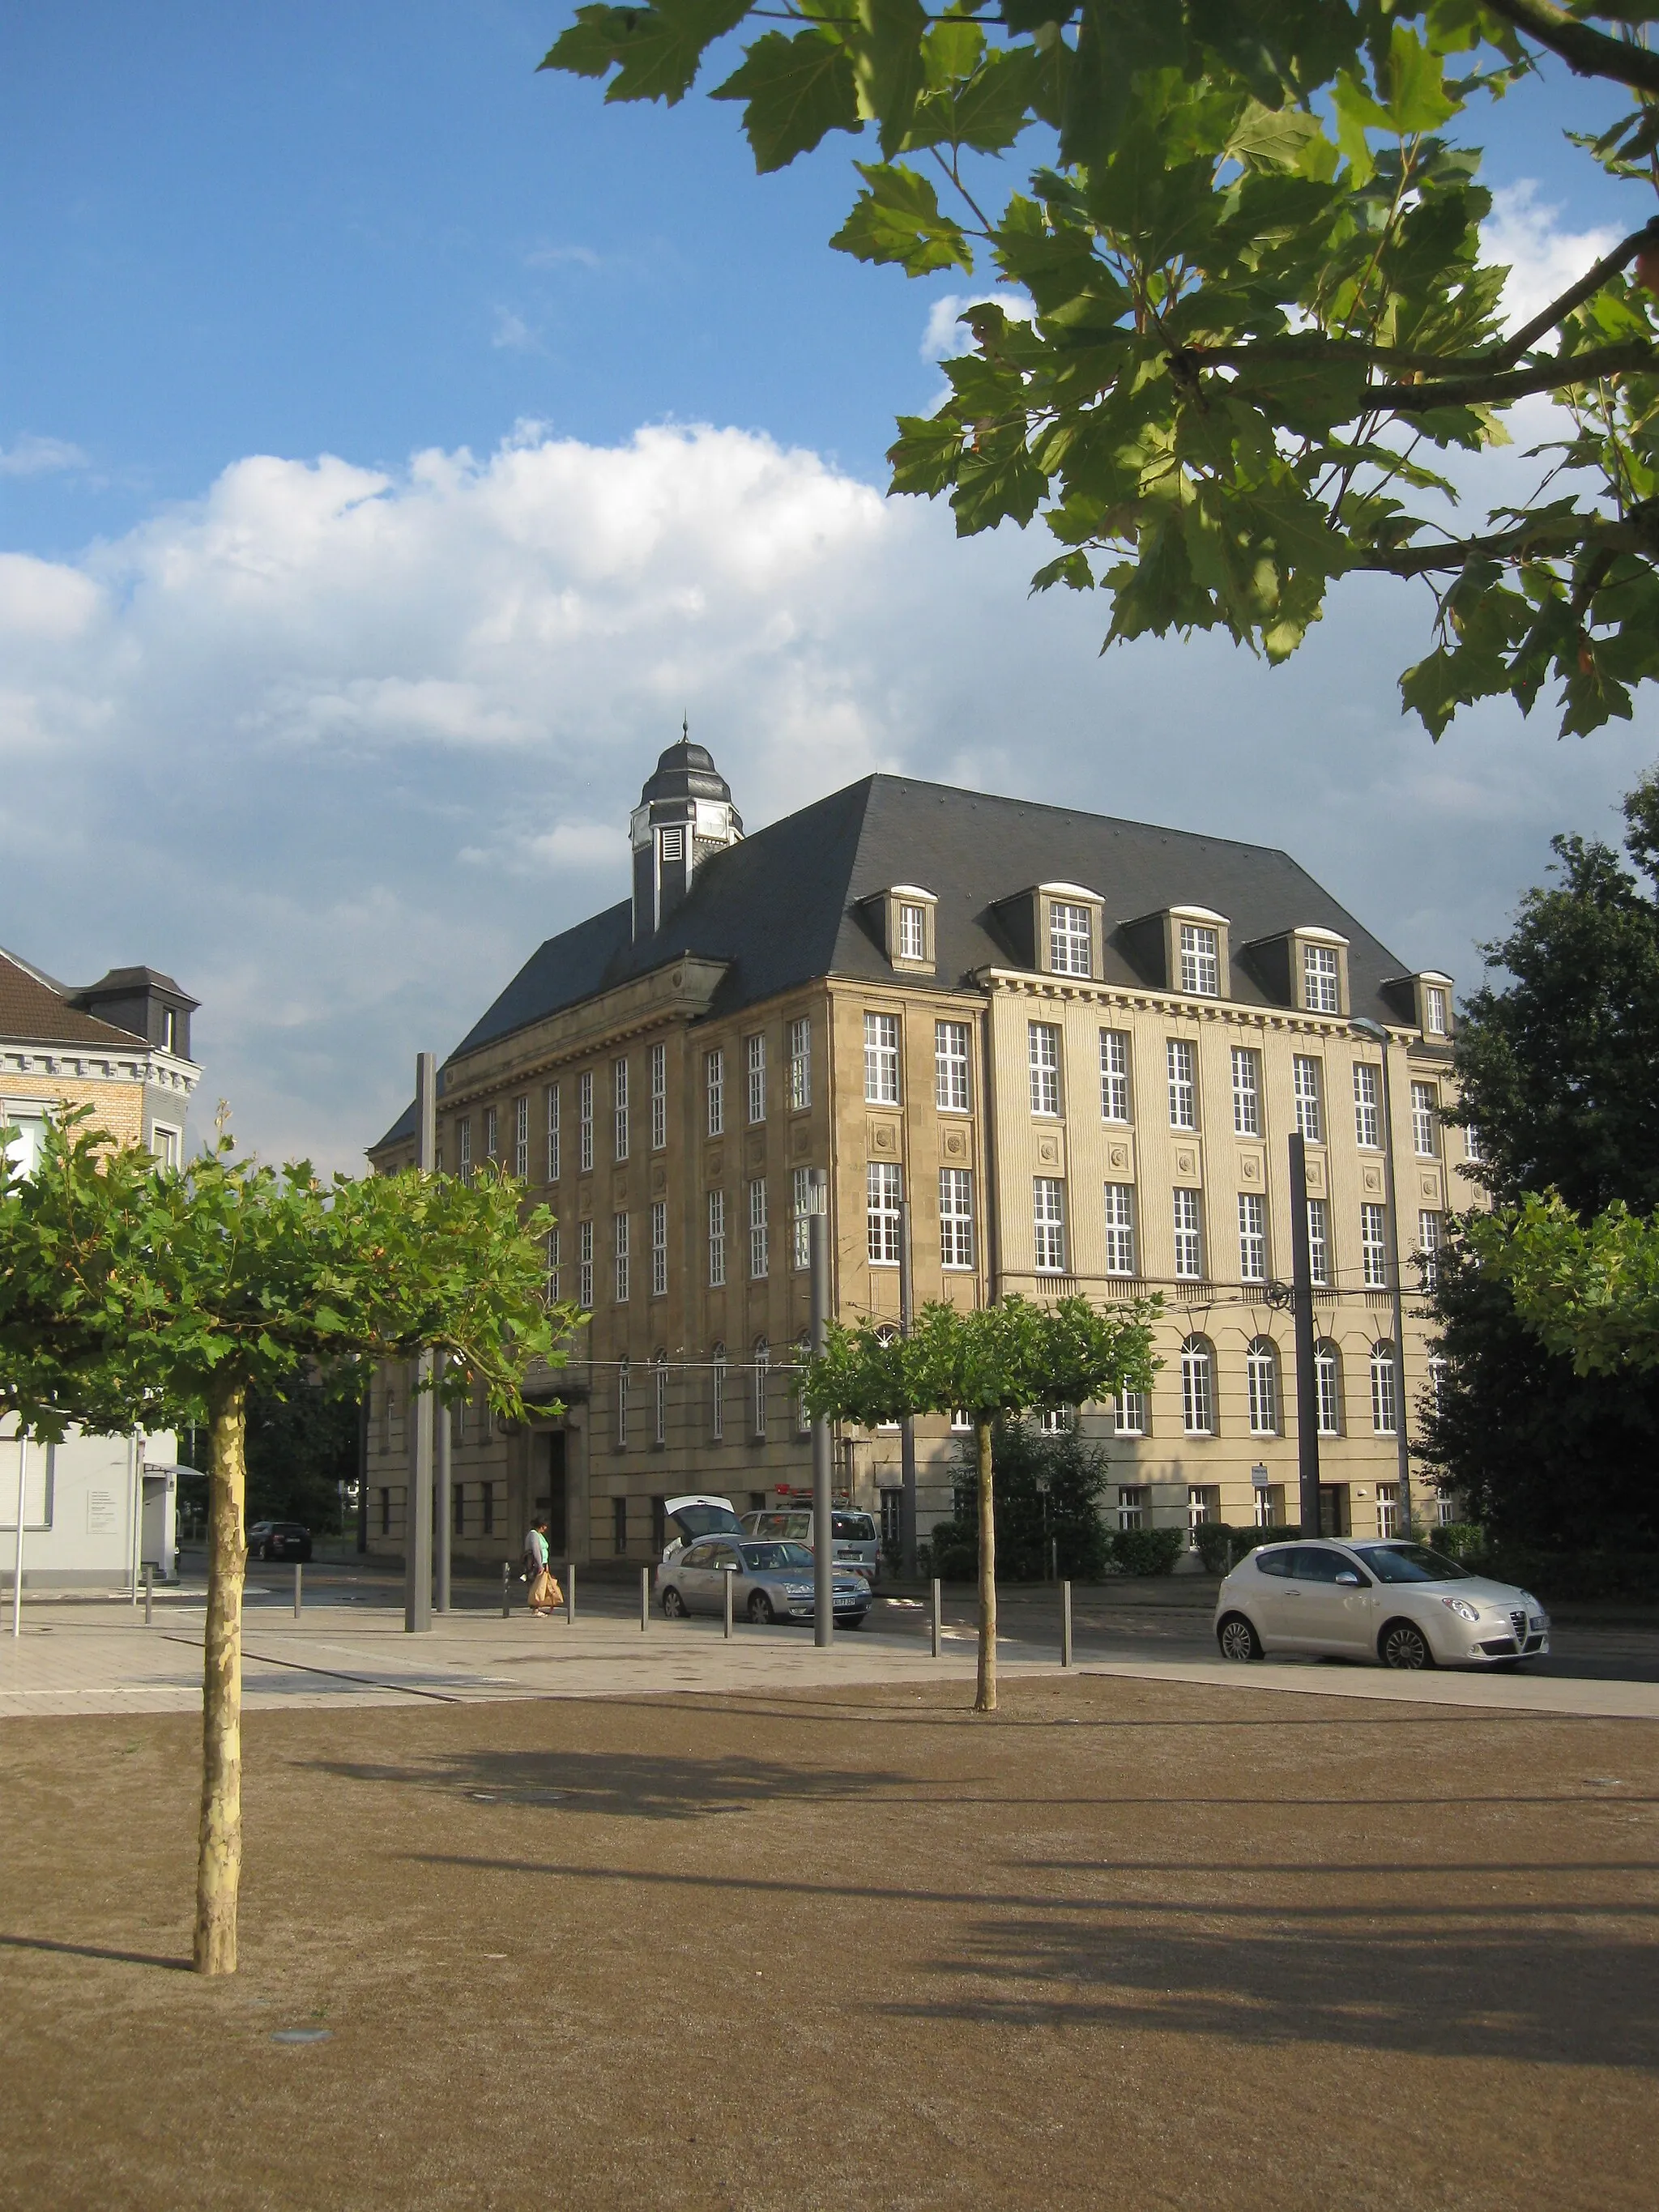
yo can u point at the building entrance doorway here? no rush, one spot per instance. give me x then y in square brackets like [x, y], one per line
[551, 1491]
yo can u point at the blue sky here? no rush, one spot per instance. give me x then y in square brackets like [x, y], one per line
[338, 734]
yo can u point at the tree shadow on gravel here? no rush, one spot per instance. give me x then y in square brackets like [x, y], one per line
[1550, 1993]
[651, 1786]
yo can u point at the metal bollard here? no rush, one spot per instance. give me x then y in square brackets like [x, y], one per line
[570, 1592]
[938, 1624]
[726, 1577]
[149, 1593]
[645, 1599]
[507, 1591]
[1066, 1624]
[298, 1588]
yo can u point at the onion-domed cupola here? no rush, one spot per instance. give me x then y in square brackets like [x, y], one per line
[684, 814]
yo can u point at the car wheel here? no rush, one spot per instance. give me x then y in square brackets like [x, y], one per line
[1403, 1644]
[674, 1604]
[1237, 1639]
[264, 1551]
[760, 1610]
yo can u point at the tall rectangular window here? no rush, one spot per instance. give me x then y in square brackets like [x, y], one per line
[1473, 1151]
[1043, 1054]
[619, 1100]
[1261, 1381]
[716, 1239]
[800, 1065]
[913, 931]
[658, 1097]
[1434, 1010]
[521, 1139]
[1373, 1247]
[956, 1218]
[464, 1146]
[658, 1419]
[1319, 1242]
[713, 1091]
[554, 1266]
[951, 1066]
[1367, 1121]
[800, 1213]
[1114, 1075]
[619, 1242]
[492, 1134]
[585, 1122]
[1048, 1224]
[1252, 1237]
[1181, 1059]
[1200, 960]
[759, 1373]
[659, 1248]
[1197, 1390]
[760, 1247]
[1120, 1228]
[585, 1265]
[555, 1148]
[881, 1060]
[1321, 979]
[1246, 1091]
[622, 1405]
[1071, 940]
[883, 1190]
[1328, 1383]
[1383, 1390]
[1188, 1236]
[1423, 1120]
[1310, 1108]
[754, 1058]
[1428, 1247]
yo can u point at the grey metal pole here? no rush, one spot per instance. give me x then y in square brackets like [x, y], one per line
[149, 1593]
[417, 1518]
[726, 1577]
[570, 1592]
[1066, 1624]
[507, 1591]
[17, 1566]
[907, 1427]
[823, 1570]
[1379, 1035]
[1307, 1380]
[645, 1599]
[444, 1512]
[298, 1588]
[938, 1622]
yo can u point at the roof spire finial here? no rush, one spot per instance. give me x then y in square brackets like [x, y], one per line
[685, 726]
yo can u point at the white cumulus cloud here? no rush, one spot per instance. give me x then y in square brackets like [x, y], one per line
[39, 457]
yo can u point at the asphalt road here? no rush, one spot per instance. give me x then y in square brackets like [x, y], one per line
[1166, 1618]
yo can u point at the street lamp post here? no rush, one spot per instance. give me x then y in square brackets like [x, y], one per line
[1378, 1035]
[823, 1571]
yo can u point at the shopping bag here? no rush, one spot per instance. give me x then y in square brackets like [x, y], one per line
[544, 1592]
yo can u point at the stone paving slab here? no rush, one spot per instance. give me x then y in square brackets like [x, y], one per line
[334, 1657]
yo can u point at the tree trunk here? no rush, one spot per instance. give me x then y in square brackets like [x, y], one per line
[219, 1851]
[985, 1699]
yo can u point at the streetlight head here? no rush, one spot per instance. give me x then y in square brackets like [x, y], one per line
[1368, 1028]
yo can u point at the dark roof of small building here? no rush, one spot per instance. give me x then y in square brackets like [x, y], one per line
[124, 982]
[785, 906]
[36, 1012]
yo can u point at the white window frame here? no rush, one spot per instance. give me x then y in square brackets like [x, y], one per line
[1129, 1413]
[1181, 1066]
[522, 1138]
[1473, 1151]
[1319, 1243]
[1430, 1226]
[1048, 1224]
[1261, 1384]
[912, 931]
[951, 1047]
[1114, 1075]
[1307, 1083]
[1425, 1105]
[1246, 1091]
[554, 1268]
[1252, 1237]
[717, 1394]
[1374, 1245]
[800, 1214]
[1367, 1106]
[1189, 1218]
[754, 1068]
[1200, 960]
[884, 1188]
[1197, 1389]
[1327, 1388]
[464, 1146]
[716, 1213]
[555, 1133]
[800, 1064]
[1071, 939]
[585, 1265]
[760, 1240]
[1120, 1228]
[1384, 1410]
[492, 1132]
[761, 1367]
[622, 1403]
[659, 1399]
[660, 1247]
[713, 1091]
[881, 1060]
[658, 1097]
[621, 1239]
[1321, 979]
[584, 1121]
[619, 1103]
[167, 1141]
[1043, 1063]
[1434, 1010]
[955, 1219]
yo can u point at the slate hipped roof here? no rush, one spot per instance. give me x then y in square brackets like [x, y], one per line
[782, 907]
[35, 1010]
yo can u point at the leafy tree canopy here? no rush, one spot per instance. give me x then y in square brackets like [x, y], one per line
[1246, 315]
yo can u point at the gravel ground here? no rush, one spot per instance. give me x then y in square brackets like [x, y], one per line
[1122, 1944]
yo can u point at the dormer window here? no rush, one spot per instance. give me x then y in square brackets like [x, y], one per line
[903, 916]
[912, 931]
[1071, 939]
[1434, 1010]
[1423, 1000]
[1200, 960]
[1322, 983]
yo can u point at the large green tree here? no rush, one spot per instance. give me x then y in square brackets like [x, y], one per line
[1245, 315]
[131, 1297]
[1536, 1420]
[992, 1364]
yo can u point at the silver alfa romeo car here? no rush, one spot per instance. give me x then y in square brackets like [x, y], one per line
[769, 1582]
[1398, 1603]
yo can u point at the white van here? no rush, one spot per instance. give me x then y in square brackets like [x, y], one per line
[856, 1539]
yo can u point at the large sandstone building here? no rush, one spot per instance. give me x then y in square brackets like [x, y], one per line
[1076, 1046]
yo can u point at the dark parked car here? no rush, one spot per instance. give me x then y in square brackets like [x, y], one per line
[279, 1540]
